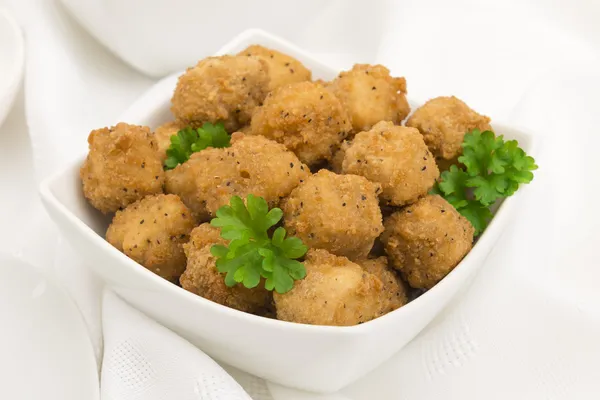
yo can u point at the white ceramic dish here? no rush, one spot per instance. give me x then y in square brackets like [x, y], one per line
[316, 358]
[45, 348]
[12, 57]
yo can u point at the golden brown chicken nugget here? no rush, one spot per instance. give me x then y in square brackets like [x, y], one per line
[338, 213]
[283, 69]
[394, 289]
[151, 232]
[201, 276]
[253, 164]
[123, 165]
[335, 291]
[443, 122]
[397, 158]
[371, 94]
[221, 89]
[306, 117]
[426, 240]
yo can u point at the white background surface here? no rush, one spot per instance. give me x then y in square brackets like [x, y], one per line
[527, 328]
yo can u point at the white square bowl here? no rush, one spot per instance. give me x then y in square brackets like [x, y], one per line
[316, 358]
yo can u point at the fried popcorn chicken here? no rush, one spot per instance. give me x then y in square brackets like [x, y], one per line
[123, 166]
[394, 290]
[443, 122]
[394, 156]
[335, 291]
[371, 95]
[306, 117]
[426, 240]
[253, 164]
[283, 69]
[221, 89]
[151, 232]
[338, 213]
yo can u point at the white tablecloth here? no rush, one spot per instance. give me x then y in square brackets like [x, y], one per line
[528, 326]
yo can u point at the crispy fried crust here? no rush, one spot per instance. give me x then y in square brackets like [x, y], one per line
[371, 95]
[151, 232]
[443, 122]
[283, 69]
[394, 289]
[306, 117]
[123, 166]
[253, 164]
[338, 213]
[426, 240]
[225, 89]
[394, 156]
[335, 291]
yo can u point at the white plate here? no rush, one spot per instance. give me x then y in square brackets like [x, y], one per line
[11, 62]
[45, 352]
[308, 357]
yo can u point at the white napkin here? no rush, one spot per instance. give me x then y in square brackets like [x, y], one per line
[72, 85]
[145, 361]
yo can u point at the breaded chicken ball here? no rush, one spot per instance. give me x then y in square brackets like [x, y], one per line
[253, 164]
[394, 290]
[151, 232]
[443, 122]
[201, 276]
[306, 117]
[338, 213]
[123, 165]
[283, 69]
[394, 156]
[163, 136]
[335, 292]
[224, 88]
[371, 95]
[426, 240]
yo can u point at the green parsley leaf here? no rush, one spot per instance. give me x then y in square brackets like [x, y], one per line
[189, 141]
[478, 215]
[252, 253]
[494, 169]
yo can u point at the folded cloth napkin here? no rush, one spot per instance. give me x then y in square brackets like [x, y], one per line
[72, 85]
[145, 361]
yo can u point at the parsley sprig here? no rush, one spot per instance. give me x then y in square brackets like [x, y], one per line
[493, 169]
[189, 140]
[252, 254]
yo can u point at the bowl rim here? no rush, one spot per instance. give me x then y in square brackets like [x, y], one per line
[485, 240]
